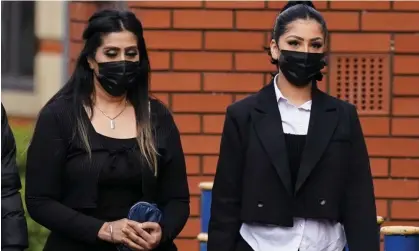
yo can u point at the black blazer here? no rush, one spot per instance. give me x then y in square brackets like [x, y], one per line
[57, 188]
[253, 184]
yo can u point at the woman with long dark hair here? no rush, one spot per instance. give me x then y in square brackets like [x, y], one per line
[101, 144]
[293, 172]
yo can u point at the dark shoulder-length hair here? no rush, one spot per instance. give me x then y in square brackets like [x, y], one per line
[80, 86]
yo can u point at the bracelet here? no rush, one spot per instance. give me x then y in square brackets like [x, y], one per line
[111, 231]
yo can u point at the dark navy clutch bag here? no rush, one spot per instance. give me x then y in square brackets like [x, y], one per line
[145, 212]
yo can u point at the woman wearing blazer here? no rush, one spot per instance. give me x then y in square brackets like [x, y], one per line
[102, 144]
[293, 172]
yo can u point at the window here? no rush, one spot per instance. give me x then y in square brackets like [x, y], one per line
[18, 44]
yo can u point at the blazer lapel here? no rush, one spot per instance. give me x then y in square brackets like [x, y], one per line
[323, 121]
[268, 126]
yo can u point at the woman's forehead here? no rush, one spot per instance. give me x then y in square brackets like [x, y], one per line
[120, 39]
[304, 28]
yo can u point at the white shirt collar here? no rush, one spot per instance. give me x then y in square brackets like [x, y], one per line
[280, 96]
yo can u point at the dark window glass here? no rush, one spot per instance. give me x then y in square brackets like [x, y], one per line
[18, 43]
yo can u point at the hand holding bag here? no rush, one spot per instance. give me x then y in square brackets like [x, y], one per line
[145, 210]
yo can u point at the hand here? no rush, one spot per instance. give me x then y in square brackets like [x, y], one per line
[147, 235]
[112, 231]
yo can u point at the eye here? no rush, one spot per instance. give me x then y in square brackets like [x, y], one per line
[317, 45]
[131, 53]
[293, 43]
[111, 53]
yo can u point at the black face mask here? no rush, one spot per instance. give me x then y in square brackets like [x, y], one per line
[117, 77]
[301, 68]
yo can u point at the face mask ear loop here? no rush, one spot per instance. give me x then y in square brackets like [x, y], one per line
[279, 51]
[93, 70]
[96, 74]
[279, 56]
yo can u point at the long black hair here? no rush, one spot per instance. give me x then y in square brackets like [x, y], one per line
[292, 11]
[80, 86]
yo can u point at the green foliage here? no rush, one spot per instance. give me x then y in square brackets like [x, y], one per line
[37, 233]
[23, 135]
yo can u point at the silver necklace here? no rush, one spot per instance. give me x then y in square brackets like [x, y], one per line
[112, 120]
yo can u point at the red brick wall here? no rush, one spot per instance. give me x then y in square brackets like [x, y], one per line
[206, 55]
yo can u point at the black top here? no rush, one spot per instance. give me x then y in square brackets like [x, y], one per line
[14, 234]
[295, 147]
[73, 195]
[254, 180]
[119, 185]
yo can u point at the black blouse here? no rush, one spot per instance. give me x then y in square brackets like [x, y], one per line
[73, 194]
[119, 184]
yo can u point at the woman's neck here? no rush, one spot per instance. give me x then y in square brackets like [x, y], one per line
[296, 95]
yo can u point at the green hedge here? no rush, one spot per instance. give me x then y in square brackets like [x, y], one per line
[37, 233]
[23, 135]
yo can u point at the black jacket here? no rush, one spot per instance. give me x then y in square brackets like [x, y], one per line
[253, 183]
[14, 232]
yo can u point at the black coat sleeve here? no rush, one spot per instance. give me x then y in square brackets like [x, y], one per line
[173, 184]
[14, 232]
[225, 223]
[46, 159]
[359, 212]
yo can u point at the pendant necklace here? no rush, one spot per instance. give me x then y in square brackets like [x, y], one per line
[112, 120]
